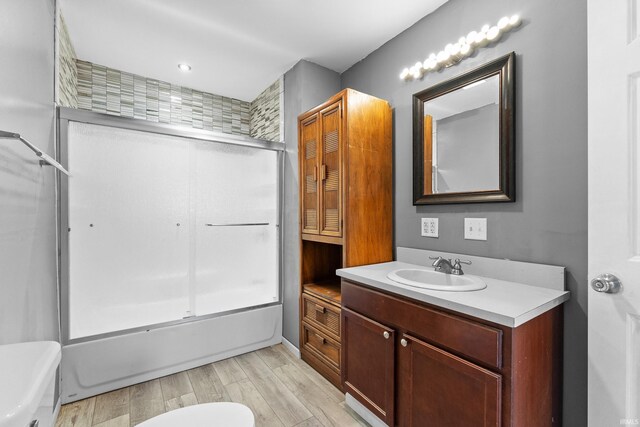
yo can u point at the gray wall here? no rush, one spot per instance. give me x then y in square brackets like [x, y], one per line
[548, 222]
[28, 305]
[306, 85]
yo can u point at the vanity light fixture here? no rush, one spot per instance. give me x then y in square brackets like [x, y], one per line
[184, 67]
[464, 47]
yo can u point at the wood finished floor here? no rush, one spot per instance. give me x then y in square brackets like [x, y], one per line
[280, 389]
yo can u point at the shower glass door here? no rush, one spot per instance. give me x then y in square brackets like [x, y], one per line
[163, 228]
[236, 227]
[128, 229]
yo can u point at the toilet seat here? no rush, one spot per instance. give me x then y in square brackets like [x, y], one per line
[222, 414]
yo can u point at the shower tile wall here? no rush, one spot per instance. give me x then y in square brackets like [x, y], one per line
[266, 122]
[106, 90]
[67, 70]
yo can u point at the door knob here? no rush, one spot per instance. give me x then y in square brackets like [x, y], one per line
[607, 283]
[404, 342]
[386, 335]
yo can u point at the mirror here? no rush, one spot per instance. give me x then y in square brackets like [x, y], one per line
[463, 137]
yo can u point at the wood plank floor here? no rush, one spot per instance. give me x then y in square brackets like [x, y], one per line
[280, 389]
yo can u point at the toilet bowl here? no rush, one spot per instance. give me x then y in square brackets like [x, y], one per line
[223, 414]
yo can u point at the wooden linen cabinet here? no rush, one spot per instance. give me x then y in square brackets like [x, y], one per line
[345, 172]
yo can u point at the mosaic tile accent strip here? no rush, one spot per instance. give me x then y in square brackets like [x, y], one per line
[107, 90]
[67, 70]
[265, 113]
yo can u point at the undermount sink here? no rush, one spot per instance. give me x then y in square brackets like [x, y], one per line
[430, 279]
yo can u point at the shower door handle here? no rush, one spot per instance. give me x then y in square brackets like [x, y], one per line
[241, 224]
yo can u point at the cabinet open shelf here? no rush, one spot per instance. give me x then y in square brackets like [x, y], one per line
[326, 289]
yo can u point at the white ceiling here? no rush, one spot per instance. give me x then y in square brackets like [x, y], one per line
[236, 47]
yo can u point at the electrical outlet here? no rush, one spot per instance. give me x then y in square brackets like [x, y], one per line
[475, 228]
[430, 227]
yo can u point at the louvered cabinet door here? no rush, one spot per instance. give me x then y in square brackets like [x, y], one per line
[309, 175]
[331, 170]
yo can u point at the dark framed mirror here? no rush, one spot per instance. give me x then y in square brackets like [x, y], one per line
[464, 137]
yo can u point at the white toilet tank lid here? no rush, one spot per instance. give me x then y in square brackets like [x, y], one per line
[227, 414]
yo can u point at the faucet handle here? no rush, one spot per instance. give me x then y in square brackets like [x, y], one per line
[457, 268]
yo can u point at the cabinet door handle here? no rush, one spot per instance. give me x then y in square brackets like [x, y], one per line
[315, 173]
[324, 172]
[386, 335]
[321, 338]
[404, 342]
[320, 309]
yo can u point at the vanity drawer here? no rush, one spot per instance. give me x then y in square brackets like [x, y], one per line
[321, 315]
[471, 339]
[321, 345]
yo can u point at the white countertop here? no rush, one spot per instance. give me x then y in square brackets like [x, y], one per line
[503, 302]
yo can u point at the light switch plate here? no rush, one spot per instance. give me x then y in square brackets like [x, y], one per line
[429, 227]
[475, 228]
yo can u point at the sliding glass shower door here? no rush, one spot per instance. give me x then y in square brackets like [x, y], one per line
[162, 228]
[236, 222]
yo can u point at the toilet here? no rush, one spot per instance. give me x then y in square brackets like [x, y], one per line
[223, 414]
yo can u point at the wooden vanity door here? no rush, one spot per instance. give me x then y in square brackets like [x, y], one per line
[368, 363]
[331, 170]
[437, 388]
[309, 175]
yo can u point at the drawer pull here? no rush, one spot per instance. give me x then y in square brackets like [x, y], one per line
[404, 342]
[320, 309]
[322, 339]
[386, 335]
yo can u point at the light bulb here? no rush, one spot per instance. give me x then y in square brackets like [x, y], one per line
[471, 37]
[418, 65]
[503, 22]
[484, 28]
[443, 57]
[481, 39]
[465, 50]
[449, 48]
[515, 21]
[404, 74]
[184, 67]
[462, 40]
[493, 34]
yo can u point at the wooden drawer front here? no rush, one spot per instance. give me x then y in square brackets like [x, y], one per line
[471, 339]
[322, 315]
[322, 345]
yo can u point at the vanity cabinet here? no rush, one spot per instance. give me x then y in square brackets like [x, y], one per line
[345, 162]
[414, 364]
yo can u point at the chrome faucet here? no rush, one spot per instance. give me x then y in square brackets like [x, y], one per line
[444, 265]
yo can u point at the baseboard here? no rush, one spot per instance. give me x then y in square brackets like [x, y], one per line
[363, 411]
[292, 348]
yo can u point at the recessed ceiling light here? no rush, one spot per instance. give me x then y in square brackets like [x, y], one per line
[184, 67]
